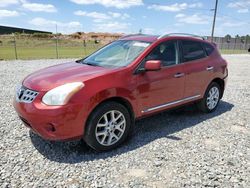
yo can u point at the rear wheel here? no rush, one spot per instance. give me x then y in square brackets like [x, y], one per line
[108, 126]
[211, 98]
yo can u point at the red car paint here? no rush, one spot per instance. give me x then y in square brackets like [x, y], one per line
[142, 91]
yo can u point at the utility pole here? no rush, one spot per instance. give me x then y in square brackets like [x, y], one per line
[15, 45]
[215, 13]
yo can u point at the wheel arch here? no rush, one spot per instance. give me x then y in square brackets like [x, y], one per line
[121, 100]
[221, 83]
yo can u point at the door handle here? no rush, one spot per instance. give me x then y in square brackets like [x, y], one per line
[179, 75]
[209, 68]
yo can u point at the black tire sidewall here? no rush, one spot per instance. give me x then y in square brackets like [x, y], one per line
[89, 135]
[203, 104]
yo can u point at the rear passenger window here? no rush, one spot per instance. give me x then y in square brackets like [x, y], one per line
[192, 51]
[209, 48]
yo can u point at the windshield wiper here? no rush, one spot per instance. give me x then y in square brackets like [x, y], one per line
[79, 60]
[88, 63]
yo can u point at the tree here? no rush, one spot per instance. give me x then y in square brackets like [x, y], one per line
[228, 38]
[242, 39]
[237, 36]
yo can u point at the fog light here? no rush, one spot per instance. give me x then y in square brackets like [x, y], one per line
[50, 127]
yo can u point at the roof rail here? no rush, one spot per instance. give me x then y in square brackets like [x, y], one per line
[131, 35]
[181, 34]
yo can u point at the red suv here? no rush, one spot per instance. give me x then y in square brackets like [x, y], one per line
[99, 97]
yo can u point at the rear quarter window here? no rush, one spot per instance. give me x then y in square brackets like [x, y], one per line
[192, 50]
[209, 48]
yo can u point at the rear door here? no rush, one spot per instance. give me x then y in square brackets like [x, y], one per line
[197, 68]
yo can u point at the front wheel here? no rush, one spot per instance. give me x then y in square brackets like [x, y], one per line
[211, 98]
[108, 126]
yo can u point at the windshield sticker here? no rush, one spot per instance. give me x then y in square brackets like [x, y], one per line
[141, 44]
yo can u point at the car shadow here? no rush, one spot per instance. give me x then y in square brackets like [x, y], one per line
[146, 130]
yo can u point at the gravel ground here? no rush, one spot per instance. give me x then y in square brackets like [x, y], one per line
[178, 149]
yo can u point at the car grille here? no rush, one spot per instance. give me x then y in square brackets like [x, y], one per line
[25, 95]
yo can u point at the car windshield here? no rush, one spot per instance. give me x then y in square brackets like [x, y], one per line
[117, 54]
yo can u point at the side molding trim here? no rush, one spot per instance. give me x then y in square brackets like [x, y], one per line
[170, 104]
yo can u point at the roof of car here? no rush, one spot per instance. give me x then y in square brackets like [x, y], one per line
[153, 38]
[140, 37]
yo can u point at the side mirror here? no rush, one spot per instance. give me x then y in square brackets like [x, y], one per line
[153, 65]
[249, 50]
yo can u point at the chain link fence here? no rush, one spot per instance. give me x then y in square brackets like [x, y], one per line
[31, 48]
[18, 47]
[232, 45]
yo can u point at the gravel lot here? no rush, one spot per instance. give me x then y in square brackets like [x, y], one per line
[173, 149]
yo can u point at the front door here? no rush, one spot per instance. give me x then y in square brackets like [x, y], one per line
[157, 89]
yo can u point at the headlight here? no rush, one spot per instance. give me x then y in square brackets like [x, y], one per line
[61, 94]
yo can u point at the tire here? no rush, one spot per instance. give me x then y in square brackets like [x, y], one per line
[211, 99]
[110, 119]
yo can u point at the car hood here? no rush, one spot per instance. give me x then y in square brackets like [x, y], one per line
[51, 77]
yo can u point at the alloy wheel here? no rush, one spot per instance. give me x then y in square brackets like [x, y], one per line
[110, 128]
[213, 98]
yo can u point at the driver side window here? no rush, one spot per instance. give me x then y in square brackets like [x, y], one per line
[166, 52]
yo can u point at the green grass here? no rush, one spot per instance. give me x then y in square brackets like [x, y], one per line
[8, 53]
[49, 52]
[229, 51]
[35, 48]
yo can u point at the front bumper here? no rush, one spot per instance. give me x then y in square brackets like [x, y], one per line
[52, 122]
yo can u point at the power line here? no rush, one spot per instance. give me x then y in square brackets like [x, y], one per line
[234, 18]
[238, 4]
[215, 10]
[187, 8]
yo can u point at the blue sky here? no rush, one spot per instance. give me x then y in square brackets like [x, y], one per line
[128, 16]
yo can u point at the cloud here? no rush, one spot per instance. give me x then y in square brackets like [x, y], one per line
[241, 6]
[149, 30]
[125, 16]
[8, 13]
[228, 24]
[64, 27]
[38, 7]
[243, 10]
[5, 3]
[34, 7]
[120, 4]
[195, 5]
[106, 22]
[119, 15]
[101, 17]
[180, 15]
[226, 21]
[233, 24]
[177, 7]
[192, 19]
[98, 17]
[112, 27]
[115, 14]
